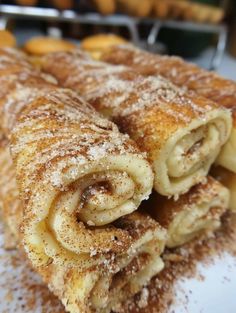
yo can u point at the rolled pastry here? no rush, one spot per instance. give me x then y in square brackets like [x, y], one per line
[99, 288]
[182, 133]
[76, 174]
[105, 288]
[205, 83]
[195, 213]
[74, 170]
[228, 179]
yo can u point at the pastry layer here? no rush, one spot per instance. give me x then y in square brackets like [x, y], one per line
[228, 179]
[198, 212]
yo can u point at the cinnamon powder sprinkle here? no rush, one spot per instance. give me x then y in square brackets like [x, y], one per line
[22, 288]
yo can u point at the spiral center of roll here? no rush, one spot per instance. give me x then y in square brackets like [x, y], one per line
[192, 151]
[105, 197]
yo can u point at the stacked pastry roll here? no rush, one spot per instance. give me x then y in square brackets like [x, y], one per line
[205, 83]
[80, 181]
[182, 133]
[195, 214]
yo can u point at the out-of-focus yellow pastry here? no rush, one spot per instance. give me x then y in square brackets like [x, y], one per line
[63, 4]
[44, 45]
[96, 44]
[27, 2]
[135, 7]
[198, 212]
[105, 7]
[188, 11]
[201, 13]
[7, 39]
[160, 8]
[182, 133]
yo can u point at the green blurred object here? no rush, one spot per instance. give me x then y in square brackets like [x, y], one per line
[184, 43]
[187, 43]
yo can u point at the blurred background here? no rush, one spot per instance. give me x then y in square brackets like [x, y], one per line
[202, 31]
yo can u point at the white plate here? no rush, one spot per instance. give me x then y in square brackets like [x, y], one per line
[215, 294]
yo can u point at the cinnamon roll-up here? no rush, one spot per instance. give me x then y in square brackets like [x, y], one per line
[228, 179]
[198, 212]
[99, 288]
[207, 84]
[125, 188]
[74, 171]
[77, 176]
[105, 288]
[182, 133]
